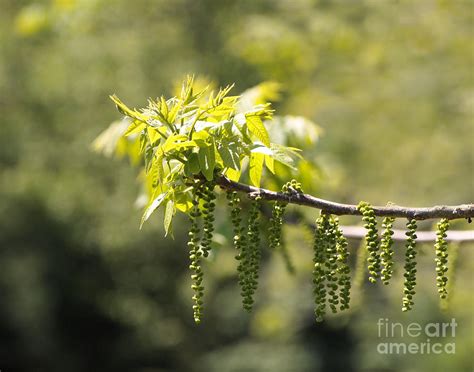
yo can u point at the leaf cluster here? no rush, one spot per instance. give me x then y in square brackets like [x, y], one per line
[199, 134]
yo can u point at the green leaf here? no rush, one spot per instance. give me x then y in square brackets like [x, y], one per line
[177, 141]
[230, 155]
[256, 168]
[261, 149]
[232, 174]
[281, 154]
[127, 111]
[153, 134]
[183, 202]
[168, 217]
[156, 171]
[207, 161]
[269, 162]
[255, 126]
[164, 108]
[192, 165]
[201, 138]
[136, 127]
[152, 207]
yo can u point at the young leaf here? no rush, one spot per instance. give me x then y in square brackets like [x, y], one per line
[232, 174]
[168, 217]
[261, 149]
[280, 154]
[152, 207]
[230, 155]
[191, 167]
[207, 161]
[136, 127]
[177, 141]
[153, 135]
[157, 172]
[256, 168]
[255, 126]
[126, 111]
[269, 162]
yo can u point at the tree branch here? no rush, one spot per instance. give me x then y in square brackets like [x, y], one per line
[440, 211]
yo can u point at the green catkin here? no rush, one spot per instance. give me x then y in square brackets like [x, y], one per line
[343, 269]
[441, 248]
[276, 223]
[319, 248]
[252, 261]
[331, 264]
[209, 197]
[452, 265]
[410, 266]
[195, 258]
[331, 271]
[386, 244]
[240, 240]
[371, 238]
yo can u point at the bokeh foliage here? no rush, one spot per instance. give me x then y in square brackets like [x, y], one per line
[390, 84]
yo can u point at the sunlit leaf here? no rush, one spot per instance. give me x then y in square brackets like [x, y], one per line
[232, 174]
[261, 149]
[152, 207]
[230, 155]
[136, 127]
[207, 161]
[168, 216]
[269, 162]
[127, 111]
[177, 141]
[256, 168]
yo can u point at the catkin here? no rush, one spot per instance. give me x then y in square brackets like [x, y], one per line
[386, 244]
[410, 266]
[195, 257]
[253, 254]
[319, 249]
[371, 238]
[343, 269]
[207, 192]
[441, 248]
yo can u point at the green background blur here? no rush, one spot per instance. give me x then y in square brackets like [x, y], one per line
[82, 289]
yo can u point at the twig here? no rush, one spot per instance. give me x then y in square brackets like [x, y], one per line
[440, 211]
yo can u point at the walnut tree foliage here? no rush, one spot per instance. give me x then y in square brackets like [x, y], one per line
[200, 133]
[188, 143]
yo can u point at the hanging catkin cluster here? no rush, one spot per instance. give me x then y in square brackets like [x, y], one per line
[195, 257]
[331, 280]
[410, 266]
[386, 244]
[247, 243]
[275, 240]
[206, 193]
[200, 246]
[240, 237]
[441, 248]
[250, 257]
[371, 238]
[331, 272]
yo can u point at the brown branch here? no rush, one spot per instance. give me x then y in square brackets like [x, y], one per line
[440, 211]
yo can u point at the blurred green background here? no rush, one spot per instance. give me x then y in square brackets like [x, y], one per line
[82, 289]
